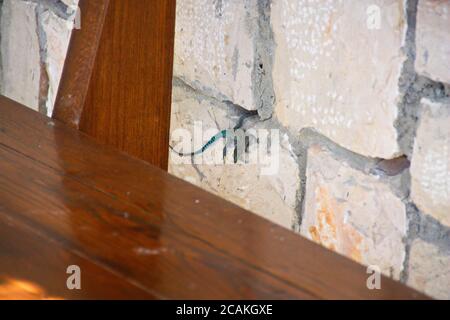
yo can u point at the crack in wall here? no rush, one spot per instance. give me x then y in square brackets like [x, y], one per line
[200, 174]
[58, 7]
[394, 172]
[413, 87]
[426, 228]
[394, 178]
[406, 122]
[241, 118]
[262, 83]
[60, 10]
[404, 274]
[234, 111]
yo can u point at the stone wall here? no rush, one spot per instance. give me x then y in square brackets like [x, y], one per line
[34, 36]
[354, 95]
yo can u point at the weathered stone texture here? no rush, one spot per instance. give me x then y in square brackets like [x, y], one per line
[21, 68]
[429, 269]
[430, 166]
[337, 68]
[214, 51]
[352, 213]
[271, 196]
[433, 40]
[34, 42]
[71, 3]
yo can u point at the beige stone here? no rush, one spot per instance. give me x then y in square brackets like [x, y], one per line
[429, 270]
[433, 40]
[271, 196]
[214, 48]
[337, 67]
[353, 214]
[71, 3]
[21, 68]
[430, 165]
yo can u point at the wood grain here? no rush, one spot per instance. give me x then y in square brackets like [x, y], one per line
[117, 80]
[129, 98]
[170, 237]
[30, 257]
[79, 64]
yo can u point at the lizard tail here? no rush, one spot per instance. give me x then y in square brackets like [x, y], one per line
[221, 134]
[181, 154]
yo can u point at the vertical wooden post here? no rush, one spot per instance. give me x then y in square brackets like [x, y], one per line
[80, 60]
[128, 99]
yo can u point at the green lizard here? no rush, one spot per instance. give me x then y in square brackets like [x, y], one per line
[222, 134]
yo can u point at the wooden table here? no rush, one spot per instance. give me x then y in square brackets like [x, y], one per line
[137, 232]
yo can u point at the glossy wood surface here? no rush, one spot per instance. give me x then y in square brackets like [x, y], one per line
[143, 232]
[28, 255]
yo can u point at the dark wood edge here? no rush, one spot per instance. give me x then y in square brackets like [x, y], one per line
[80, 62]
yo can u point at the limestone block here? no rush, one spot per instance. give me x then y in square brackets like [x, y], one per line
[430, 164]
[20, 53]
[353, 214]
[433, 40]
[214, 50]
[337, 69]
[429, 269]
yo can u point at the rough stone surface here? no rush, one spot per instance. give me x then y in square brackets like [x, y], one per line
[337, 68]
[71, 3]
[57, 32]
[271, 196]
[214, 51]
[429, 269]
[21, 68]
[430, 166]
[433, 40]
[352, 213]
[34, 40]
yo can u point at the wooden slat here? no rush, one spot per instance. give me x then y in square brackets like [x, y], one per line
[210, 247]
[79, 63]
[124, 98]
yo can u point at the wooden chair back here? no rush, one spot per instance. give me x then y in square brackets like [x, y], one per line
[117, 79]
